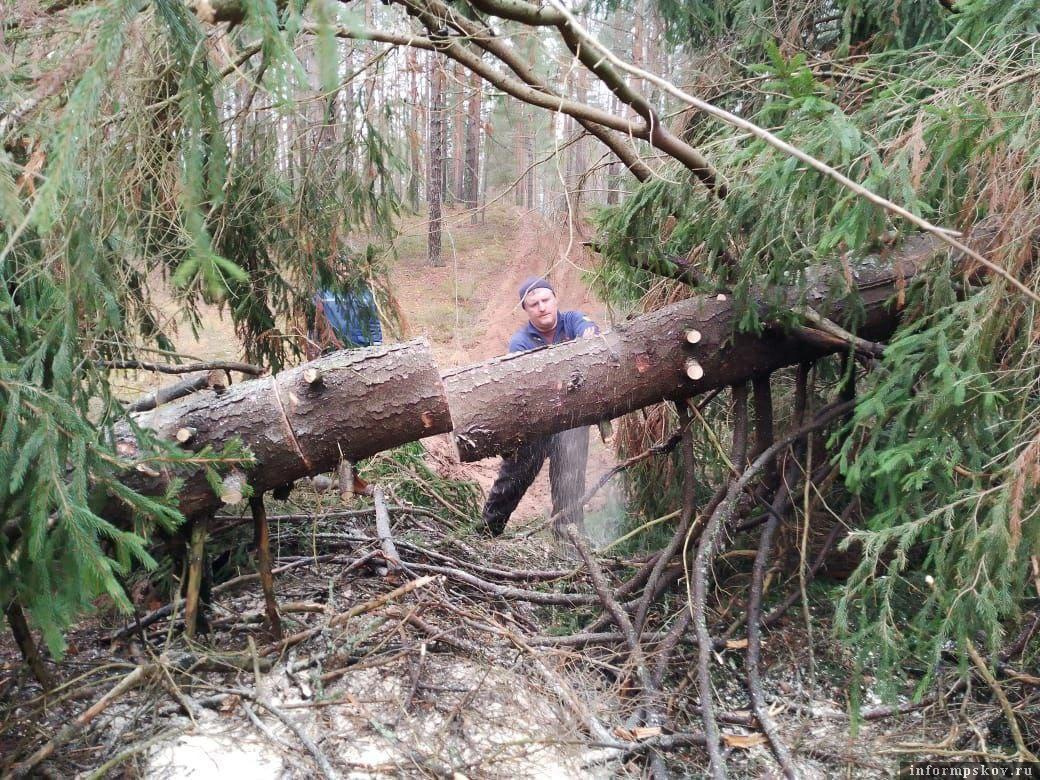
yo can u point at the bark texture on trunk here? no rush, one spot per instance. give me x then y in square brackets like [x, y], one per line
[498, 405]
[356, 403]
[435, 160]
[350, 404]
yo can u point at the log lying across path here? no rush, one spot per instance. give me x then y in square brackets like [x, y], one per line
[352, 404]
[676, 352]
[301, 422]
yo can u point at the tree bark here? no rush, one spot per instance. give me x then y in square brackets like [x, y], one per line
[498, 405]
[355, 403]
[358, 402]
[414, 130]
[458, 136]
[471, 180]
[435, 158]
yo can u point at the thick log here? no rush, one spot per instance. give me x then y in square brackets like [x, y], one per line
[355, 403]
[501, 403]
[367, 400]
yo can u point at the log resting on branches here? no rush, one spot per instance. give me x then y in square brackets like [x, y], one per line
[356, 403]
[499, 404]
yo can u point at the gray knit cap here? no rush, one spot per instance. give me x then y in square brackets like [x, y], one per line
[533, 283]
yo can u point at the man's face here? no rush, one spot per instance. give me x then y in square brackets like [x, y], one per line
[540, 305]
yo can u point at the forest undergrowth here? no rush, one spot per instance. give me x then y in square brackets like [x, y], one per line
[459, 655]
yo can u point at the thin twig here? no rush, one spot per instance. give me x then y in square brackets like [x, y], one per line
[139, 675]
[188, 368]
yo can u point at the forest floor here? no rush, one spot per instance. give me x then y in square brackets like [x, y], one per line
[449, 667]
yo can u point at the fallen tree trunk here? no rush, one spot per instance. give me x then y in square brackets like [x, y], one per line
[301, 422]
[355, 403]
[672, 353]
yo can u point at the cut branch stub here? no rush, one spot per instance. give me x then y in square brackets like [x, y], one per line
[186, 434]
[312, 376]
[232, 488]
[694, 370]
[693, 336]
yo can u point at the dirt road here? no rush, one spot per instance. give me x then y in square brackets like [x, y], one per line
[469, 308]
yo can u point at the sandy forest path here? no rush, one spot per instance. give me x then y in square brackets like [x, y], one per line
[469, 308]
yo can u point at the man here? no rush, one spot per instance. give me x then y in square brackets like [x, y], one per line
[567, 451]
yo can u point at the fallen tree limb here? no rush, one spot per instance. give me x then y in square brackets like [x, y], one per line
[169, 393]
[138, 676]
[187, 368]
[386, 541]
[506, 592]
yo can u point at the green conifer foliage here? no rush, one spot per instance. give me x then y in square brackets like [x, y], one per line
[934, 107]
[138, 174]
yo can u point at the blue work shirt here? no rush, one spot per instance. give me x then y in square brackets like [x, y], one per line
[353, 317]
[569, 326]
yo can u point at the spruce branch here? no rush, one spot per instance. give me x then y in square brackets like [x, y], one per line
[945, 235]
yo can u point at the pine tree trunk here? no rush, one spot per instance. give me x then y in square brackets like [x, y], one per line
[435, 175]
[613, 182]
[502, 403]
[471, 180]
[458, 145]
[483, 189]
[350, 107]
[529, 164]
[519, 164]
[351, 404]
[355, 403]
[414, 130]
